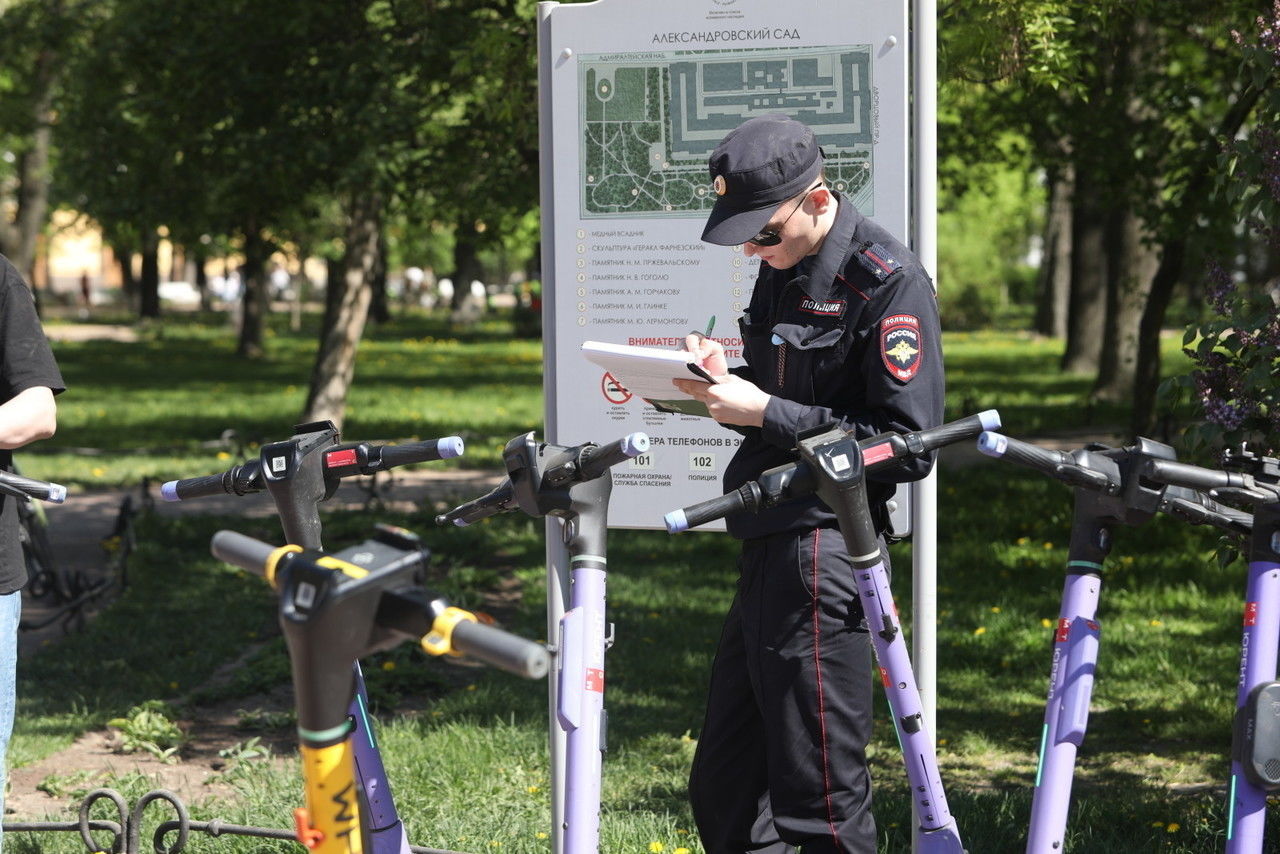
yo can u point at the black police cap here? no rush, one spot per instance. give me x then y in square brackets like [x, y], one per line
[759, 165]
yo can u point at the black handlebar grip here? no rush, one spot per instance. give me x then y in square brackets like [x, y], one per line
[1023, 453]
[963, 428]
[42, 489]
[1192, 477]
[501, 649]
[238, 550]
[195, 487]
[603, 458]
[422, 452]
[1205, 511]
[498, 500]
[745, 497]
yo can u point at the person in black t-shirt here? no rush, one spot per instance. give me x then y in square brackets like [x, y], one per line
[29, 379]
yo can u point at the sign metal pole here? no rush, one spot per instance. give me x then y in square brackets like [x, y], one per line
[924, 504]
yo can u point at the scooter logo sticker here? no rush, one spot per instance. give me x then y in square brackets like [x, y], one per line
[1064, 631]
[613, 390]
[900, 346]
[1251, 613]
[595, 680]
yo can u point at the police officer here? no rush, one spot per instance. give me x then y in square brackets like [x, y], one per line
[842, 326]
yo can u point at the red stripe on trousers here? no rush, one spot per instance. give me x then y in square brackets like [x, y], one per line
[822, 717]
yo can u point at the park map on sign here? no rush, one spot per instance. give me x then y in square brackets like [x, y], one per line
[650, 120]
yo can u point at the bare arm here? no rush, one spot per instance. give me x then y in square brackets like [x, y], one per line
[27, 417]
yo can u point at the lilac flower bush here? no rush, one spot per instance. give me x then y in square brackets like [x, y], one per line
[1236, 378]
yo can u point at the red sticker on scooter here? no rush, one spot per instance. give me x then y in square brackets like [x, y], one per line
[595, 680]
[1064, 631]
[1251, 613]
[345, 457]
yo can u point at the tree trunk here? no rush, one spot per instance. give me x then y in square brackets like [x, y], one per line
[1172, 259]
[200, 257]
[466, 263]
[253, 303]
[1085, 323]
[1055, 271]
[1132, 264]
[379, 311]
[128, 282]
[33, 171]
[349, 296]
[149, 284]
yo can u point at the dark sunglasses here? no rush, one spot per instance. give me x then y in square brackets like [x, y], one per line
[773, 236]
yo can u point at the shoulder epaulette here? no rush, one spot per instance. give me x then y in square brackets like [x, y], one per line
[877, 260]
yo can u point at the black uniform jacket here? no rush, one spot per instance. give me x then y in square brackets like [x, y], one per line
[851, 335]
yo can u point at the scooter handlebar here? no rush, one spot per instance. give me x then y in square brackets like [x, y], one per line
[55, 493]
[501, 649]
[422, 452]
[194, 487]
[485, 643]
[596, 461]
[960, 429]
[744, 498]
[239, 550]
[1194, 477]
[1024, 453]
[499, 500]
[1197, 509]
[878, 452]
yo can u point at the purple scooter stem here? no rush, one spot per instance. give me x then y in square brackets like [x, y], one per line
[1066, 712]
[1247, 802]
[581, 702]
[386, 831]
[938, 833]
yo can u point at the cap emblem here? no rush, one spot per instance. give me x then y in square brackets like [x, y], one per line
[719, 185]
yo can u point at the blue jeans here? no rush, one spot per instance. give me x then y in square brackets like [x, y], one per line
[10, 613]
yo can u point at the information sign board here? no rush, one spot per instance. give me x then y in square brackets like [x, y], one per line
[635, 95]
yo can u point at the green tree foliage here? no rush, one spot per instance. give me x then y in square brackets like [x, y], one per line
[1236, 380]
[1123, 100]
[987, 224]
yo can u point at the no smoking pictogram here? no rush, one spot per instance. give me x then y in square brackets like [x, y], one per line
[613, 390]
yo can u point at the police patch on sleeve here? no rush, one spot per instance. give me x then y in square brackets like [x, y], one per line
[900, 346]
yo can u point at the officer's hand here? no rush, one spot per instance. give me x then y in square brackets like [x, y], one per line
[731, 400]
[707, 353]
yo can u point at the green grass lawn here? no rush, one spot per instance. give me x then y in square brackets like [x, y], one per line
[466, 747]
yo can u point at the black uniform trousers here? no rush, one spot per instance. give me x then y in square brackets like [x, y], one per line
[781, 762]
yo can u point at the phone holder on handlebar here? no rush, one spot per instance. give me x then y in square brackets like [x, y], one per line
[835, 464]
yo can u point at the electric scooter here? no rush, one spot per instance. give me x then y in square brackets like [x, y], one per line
[572, 483]
[834, 465]
[299, 473]
[333, 611]
[1255, 743]
[1112, 487]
